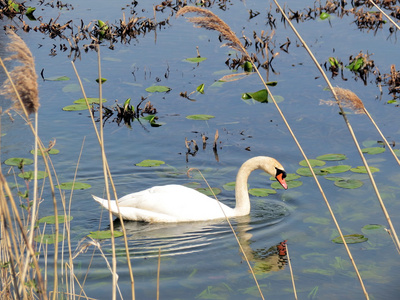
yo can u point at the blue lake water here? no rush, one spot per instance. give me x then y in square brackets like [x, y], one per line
[203, 260]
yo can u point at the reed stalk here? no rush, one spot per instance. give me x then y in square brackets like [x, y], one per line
[291, 272]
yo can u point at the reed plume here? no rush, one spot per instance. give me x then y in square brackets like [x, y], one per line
[22, 79]
[211, 21]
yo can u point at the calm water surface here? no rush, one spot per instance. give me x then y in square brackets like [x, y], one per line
[203, 259]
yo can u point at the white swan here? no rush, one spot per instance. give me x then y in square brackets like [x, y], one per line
[177, 203]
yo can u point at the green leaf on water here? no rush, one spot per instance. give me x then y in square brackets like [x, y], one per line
[291, 184]
[373, 150]
[333, 178]
[317, 220]
[51, 151]
[260, 96]
[58, 78]
[76, 186]
[75, 107]
[90, 100]
[29, 175]
[313, 162]
[334, 62]
[150, 163]
[52, 219]
[324, 16]
[260, 192]
[200, 88]
[104, 234]
[307, 172]
[208, 192]
[18, 161]
[349, 183]
[158, 89]
[362, 169]
[48, 238]
[350, 239]
[102, 80]
[230, 186]
[333, 156]
[247, 66]
[289, 176]
[337, 169]
[355, 65]
[200, 117]
[71, 88]
[195, 59]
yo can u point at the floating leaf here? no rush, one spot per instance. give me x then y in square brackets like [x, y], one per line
[51, 151]
[158, 89]
[75, 107]
[324, 16]
[313, 163]
[72, 87]
[150, 163]
[104, 234]
[289, 176]
[52, 219]
[247, 66]
[230, 186]
[200, 88]
[307, 172]
[18, 161]
[90, 100]
[208, 192]
[333, 178]
[29, 13]
[334, 62]
[350, 239]
[29, 175]
[48, 238]
[200, 117]
[260, 96]
[349, 183]
[362, 169]
[58, 78]
[291, 184]
[332, 157]
[260, 192]
[317, 220]
[102, 80]
[356, 64]
[75, 185]
[195, 59]
[373, 150]
[337, 169]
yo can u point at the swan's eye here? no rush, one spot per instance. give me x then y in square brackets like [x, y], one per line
[279, 171]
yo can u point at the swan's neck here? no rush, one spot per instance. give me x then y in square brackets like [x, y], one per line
[241, 191]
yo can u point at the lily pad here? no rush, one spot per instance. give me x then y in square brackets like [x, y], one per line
[199, 117]
[57, 78]
[206, 191]
[75, 107]
[52, 219]
[307, 172]
[373, 150]
[291, 184]
[362, 169]
[158, 89]
[260, 192]
[29, 175]
[48, 238]
[289, 176]
[260, 96]
[104, 234]
[150, 163]
[51, 151]
[230, 186]
[350, 239]
[313, 163]
[195, 59]
[18, 161]
[90, 100]
[71, 88]
[333, 156]
[75, 185]
[337, 169]
[349, 183]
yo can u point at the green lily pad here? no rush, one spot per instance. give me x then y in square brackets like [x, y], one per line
[260, 192]
[158, 89]
[150, 163]
[317, 220]
[57, 78]
[18, 161]
[373, 150]
[350, 239]
[76, 185]
[206, 191]
[313, 163]
[199, 117]
[90, 100]
[71, 88]
[349, 183]
[260, 96]
[307, 172]
[230, 186]
[289, 176]
[104, 234]
[195, 59]
[48, 238]
[337, 169]
[363, 170]
[51, 151]
[332, 178]
[291, 184]
[333, 156]
[52, 219]
[75, 107]
[29, 175]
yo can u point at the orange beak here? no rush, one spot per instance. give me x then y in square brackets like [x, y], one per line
[281, 180]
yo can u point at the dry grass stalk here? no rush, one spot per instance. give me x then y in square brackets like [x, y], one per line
[23, 77]
[350, 100]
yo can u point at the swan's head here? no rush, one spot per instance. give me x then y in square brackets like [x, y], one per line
[273, 167]
[280, 176]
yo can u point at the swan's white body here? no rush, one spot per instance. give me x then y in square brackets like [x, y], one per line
[177, 203]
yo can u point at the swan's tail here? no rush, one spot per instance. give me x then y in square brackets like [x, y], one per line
[104, 203]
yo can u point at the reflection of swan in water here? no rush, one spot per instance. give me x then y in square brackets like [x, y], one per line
[177, 203]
